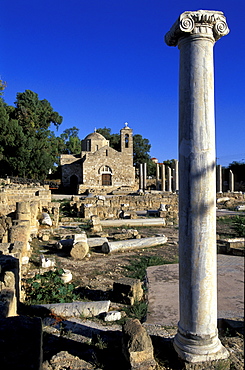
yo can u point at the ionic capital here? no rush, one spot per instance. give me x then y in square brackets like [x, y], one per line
[207, 23]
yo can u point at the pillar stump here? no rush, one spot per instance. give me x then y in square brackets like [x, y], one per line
[195, 34]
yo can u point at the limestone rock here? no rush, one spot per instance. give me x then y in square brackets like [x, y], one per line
[46, 220]
[127, 291]
[137, 346]
[76, 309]
[112, 316]
[64, 360]
[95, 224]
[46, 262]
[66, 277]
[45, 237]
[79, 250]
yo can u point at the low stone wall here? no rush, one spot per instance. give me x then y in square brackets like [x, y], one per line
[126, 205]
[10, 194]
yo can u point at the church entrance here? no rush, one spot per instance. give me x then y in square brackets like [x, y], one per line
[106, 179]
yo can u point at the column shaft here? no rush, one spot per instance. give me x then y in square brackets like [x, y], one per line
[141, 177]
[231, 181]
[144, 175]
[163, 179]
[195, 34]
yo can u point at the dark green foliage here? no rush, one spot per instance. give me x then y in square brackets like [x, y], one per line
[238, 168]
[239, 225]
[138, 265]
[170, 163]
[113, 138]
[137, 311]
[69, 142]
[66, 209]
[49, 288]
[27, 147]
[33, 114]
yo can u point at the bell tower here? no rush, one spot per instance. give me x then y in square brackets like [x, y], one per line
[126, 134]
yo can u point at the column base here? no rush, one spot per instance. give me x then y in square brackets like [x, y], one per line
[199, 350]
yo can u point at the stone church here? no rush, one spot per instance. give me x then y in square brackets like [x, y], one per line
[99, 166]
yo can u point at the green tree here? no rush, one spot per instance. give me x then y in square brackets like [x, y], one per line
[70, 142]
[238, 168]
[33, 113]
[170, 163]
[3, 85]
[113, 138]
[27, 147]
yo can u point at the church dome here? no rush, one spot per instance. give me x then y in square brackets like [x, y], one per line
[94, 136]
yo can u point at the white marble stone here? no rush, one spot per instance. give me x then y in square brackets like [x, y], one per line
[195, 34]
[231, 181]
[163, 178]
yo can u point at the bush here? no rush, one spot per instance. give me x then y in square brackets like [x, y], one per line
[239, 225]
[138, 266]
[49, 288]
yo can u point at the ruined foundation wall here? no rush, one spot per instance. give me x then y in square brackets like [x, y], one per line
[11, 194]
[112, 206]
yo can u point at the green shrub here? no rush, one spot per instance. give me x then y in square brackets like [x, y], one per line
[239, 225]
[49, 288]
[138, 265]
[137, 311]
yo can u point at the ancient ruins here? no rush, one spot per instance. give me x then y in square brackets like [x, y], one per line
[42, 232]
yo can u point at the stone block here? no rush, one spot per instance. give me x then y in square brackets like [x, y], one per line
[79, 250]
[137, 346]
[64, 360]
[112, 316]
[8, 303]
[127, 291]
[82, 237]
[241, 207]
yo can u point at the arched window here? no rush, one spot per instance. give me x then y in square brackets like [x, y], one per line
[126, 140]
[106, 175]
[105, 169]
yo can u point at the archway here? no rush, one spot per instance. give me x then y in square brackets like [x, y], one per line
[106, 175]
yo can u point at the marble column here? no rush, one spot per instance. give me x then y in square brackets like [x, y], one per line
[231, 181]
[195, 33]
[157, 176]
[219, 178]
[141, 177]
[169, 178]
[163, 177]
[176, 176]
[144, 176]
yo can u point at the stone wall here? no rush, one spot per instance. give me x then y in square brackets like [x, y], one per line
[25, 204]
[112, 206]
[13, 193]
[230, 200]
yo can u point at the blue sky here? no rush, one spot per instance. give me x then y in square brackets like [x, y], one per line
[101, 63]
